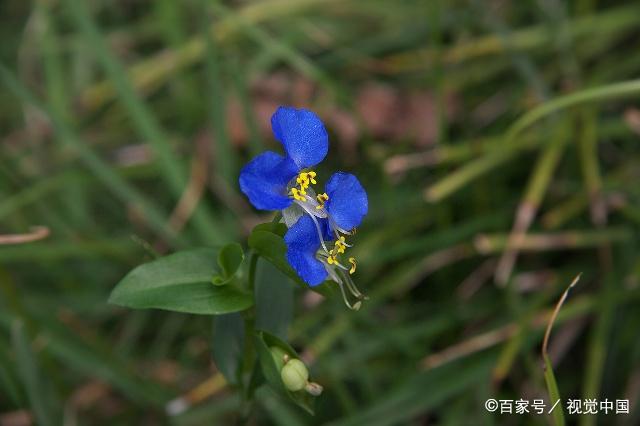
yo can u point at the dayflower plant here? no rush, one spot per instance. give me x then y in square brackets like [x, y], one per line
[318, 224]
[217, 281]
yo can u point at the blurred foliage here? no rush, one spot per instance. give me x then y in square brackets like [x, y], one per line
[498, 142]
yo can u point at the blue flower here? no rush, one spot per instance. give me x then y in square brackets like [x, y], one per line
[317, 224]
[269, 179]
[337, 213]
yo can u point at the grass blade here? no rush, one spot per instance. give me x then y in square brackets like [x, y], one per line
[549, 376]
[30, 375]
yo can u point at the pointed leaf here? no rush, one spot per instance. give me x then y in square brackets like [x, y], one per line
[180, 282]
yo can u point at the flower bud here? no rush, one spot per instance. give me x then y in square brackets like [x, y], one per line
[294, 375]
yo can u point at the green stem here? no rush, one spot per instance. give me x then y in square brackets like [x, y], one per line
[249, 361]
[253, 264]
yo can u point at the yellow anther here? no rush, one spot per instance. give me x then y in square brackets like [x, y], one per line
[312, 176]
[322, 198]
[352, 261]
[303, 180]
[332, 259]
[340, 245]
[298, 195]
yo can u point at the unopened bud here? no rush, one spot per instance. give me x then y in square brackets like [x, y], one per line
[294, 375]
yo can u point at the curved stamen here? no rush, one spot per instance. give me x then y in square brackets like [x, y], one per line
[354, 265]
[341, 238]
[343, 279]
[353, 289]
[356, 306]
[340, 265]
[330, 259]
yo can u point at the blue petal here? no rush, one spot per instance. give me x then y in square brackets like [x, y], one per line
[302, 134]
[264, 181]
[302, 244]
[327, 232]
[348, 202]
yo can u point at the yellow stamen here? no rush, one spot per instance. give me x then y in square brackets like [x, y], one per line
[298, 195]
[322, 198]
[352, 261]
[303, 180]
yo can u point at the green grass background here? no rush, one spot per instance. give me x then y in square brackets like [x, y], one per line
[475, 126]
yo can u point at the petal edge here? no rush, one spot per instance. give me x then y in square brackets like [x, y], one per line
[302, 134]
[348, 202]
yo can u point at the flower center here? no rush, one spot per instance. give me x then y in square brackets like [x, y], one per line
[303, 181]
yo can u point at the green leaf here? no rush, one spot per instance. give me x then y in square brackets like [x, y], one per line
[271, 246]
[180, 282]
[229, 260]
[264, 342]
[274, 299]
[228, 345]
